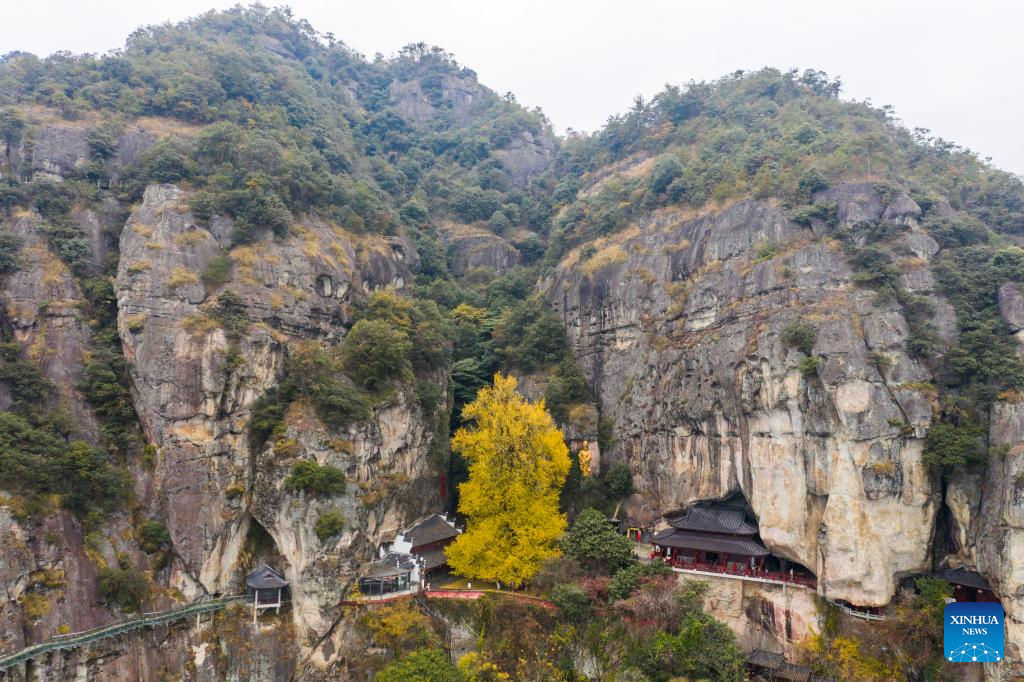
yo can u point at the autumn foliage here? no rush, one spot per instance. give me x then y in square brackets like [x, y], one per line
[518, 462]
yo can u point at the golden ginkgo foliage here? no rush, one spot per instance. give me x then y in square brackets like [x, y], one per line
[517, 465]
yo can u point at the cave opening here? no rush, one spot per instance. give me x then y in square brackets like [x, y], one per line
[944, 535]
[259, 548]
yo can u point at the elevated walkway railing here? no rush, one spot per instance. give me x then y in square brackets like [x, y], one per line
[76, 639]
[745, 572]
[857, 613]
[446, 593]
[645, 553]
[458, 593]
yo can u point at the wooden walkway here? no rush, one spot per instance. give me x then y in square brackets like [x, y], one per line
[78, 639]
[443, 593]
[476, 594]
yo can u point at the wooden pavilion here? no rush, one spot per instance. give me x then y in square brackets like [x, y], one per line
[268, 589]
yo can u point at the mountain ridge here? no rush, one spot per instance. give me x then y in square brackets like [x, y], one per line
[235, 249]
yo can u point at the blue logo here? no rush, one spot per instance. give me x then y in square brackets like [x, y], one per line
[973, 632]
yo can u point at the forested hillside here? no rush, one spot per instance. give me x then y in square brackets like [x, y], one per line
[251, 278]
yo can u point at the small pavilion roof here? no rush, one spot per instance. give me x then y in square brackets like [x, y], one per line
[265, 578]
[715, 519]
[962, 576]
[430, 529]
[778, 666]
[743, 546]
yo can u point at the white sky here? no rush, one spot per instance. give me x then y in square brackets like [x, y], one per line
[953, 67]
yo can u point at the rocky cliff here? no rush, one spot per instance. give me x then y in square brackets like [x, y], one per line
[187, 236]
[194, 388]
[679, 325]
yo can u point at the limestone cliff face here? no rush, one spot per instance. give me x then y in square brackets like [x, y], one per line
[47, 568]
[678, 327]
[996, 536]
[988, 519]
[55, 150]
[472, 247]
[194, 388]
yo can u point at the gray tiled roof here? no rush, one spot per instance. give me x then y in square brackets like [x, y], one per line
[390, 564]
[671, 537]
[265, 578]
[433, 559]
[715, 519]
[961, 576]
[430, 529]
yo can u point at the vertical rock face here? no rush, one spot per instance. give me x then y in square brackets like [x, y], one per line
[988, 509]
[996, 536]
[462, 97]
[47, 579]
[59, 150]
[470, 248]
[54, 151]
[527, 156]
[42, 302]
[463, 101]
[678, 326]
[763, 616]
[194, 386]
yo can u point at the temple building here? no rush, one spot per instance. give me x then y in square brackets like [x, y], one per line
[267, 588]
[426, 541]
[390, 574]
[967, 585]
[415, 556]
[711, 535]
[722, 538]
[768, 666]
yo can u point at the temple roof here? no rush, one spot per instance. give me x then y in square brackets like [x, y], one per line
[715, 519]
[671, 537]
[430, 529]
[961, 576]
[780, 669]
[433, 559]
[265, 578]
[391, 564]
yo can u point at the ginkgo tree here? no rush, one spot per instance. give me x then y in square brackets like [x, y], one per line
[518, 462]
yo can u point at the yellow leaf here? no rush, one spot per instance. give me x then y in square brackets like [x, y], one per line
[517, 465]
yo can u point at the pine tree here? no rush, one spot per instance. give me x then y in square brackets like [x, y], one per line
[518, 462]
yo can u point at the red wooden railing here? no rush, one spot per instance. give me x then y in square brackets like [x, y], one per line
[476, 594]
[738, 569]
[453, 593]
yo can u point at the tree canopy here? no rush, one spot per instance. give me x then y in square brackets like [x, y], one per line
[518, 462]
[596, 544]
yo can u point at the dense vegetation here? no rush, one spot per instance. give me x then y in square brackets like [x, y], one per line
[279, 133]
[270, 123]
[39, 452]
[768, 134]
[906, 647]
[656, 632]
[316, 479]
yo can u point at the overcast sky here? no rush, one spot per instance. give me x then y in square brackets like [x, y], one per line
[953, 67]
